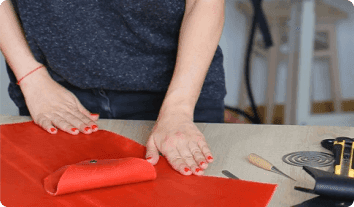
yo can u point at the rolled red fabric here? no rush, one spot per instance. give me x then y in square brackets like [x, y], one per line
[91, 174]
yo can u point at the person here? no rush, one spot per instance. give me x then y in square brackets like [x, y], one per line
[71, 62]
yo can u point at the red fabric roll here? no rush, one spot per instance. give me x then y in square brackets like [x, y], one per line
[100, 173]
[29, 155]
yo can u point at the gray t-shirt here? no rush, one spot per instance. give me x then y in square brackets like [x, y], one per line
[123, 45]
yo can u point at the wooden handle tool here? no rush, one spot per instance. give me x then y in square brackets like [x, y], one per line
[264, 164]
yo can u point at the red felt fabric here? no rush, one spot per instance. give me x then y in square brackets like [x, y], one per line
[103, 173]
[29, 155]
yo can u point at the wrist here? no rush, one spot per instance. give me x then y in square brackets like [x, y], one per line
[36, 77]
[178, 101]
[173, 108]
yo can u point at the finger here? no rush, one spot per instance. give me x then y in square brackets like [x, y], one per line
[177, 162]
[63, 124]
[75, 125]
[189, 159]
[45, 123]
[79, 120]
[83, 110]
[152, 153]
[205, 150]
[198, 155]
[85, 124]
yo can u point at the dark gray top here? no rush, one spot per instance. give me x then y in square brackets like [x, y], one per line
[124, 45]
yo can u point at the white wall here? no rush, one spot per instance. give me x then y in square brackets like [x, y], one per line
[233, 45]
[345, 45]
[7, 106]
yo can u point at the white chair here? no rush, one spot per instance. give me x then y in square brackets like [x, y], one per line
[303, 116]
[279, 15]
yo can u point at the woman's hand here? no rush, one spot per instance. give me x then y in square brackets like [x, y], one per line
[175, 134]
[50, 104]
[180, 141]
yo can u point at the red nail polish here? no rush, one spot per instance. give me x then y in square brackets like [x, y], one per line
[198, 169]
[94, 127]
[202, 163]
[149, 158]
[186, 169]
[73, 129]
[52, 129]
[87, 128]
[210, 158]
[94, 114]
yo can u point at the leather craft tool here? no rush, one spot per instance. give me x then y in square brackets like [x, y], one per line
[264, 164]
[334, 189]
[309, 158]
[343, 150]
[329, 185]
[229, 175]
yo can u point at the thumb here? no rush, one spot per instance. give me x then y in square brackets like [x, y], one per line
[83, 110]
[152, 153]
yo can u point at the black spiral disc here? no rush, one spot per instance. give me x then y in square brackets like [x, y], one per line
[309, 158]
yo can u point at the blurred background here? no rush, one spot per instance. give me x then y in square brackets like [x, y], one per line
[274, 72]
[280, 98]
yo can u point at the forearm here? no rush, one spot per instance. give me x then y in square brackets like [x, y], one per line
[200, 34]
[13, 44]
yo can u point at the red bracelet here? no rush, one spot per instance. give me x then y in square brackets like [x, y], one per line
[18, 82]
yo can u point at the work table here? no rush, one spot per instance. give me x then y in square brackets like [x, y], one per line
[232, 143]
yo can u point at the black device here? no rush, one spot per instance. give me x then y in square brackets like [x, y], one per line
[343, 151]
[334, 189]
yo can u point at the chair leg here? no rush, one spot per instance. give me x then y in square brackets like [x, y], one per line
[292, 76]
[273, 62]
[334, 70]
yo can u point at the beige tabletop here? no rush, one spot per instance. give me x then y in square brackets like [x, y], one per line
[232, 143]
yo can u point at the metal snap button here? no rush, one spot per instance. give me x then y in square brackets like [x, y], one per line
[93, 161]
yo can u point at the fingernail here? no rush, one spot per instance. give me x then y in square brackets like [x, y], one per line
[94, 114]
[94, 127]
[52, 129]
[203, 164]
[73, 129]
[210, 158]
[87, 129]
[186, 169]
[198, 169]
[148, 158]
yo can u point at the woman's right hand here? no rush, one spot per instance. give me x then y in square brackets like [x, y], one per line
[48, 102]
[51, 105]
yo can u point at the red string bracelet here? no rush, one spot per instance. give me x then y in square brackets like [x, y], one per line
[18, 82]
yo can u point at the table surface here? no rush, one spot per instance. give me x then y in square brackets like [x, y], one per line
[232, 143]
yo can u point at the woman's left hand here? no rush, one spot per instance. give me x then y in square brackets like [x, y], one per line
[180, 141]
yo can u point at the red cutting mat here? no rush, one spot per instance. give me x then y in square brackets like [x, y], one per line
[29, 154]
